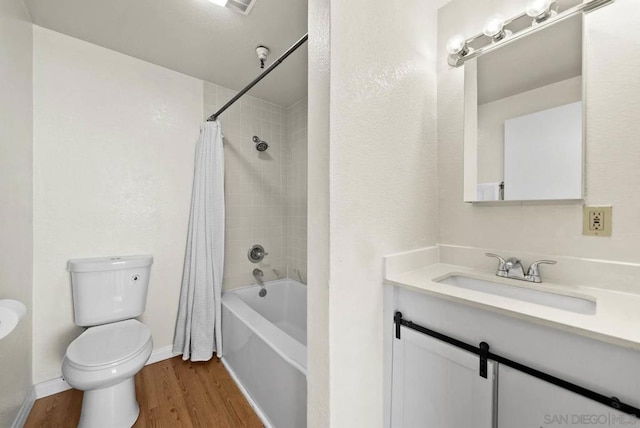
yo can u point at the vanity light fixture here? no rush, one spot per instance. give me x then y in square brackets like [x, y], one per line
[540, 10]
[457, 46]
[494, 28]
[498, 30]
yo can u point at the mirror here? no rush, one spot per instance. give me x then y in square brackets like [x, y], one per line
[524, 118]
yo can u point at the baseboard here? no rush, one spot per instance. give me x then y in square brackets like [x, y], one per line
[50, 387]
[25, 409]
[54, 386]
[161, 354]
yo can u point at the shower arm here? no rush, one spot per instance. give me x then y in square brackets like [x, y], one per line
[255, 81]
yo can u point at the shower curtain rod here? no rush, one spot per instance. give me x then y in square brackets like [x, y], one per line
[255, 81]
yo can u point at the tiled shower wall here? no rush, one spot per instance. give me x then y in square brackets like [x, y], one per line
[296, 191]
[262, 207]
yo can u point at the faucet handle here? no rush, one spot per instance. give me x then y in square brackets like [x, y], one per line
[533, 274]
[502, 269]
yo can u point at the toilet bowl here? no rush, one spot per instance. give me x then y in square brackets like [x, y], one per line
[102, 362]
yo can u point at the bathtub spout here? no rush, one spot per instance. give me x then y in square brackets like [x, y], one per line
[258, 275]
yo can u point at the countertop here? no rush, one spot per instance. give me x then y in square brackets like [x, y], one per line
[616, 321]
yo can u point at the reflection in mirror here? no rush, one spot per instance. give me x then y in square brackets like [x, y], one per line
[524, 118]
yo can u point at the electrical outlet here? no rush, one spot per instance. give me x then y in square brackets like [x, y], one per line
[597, 221]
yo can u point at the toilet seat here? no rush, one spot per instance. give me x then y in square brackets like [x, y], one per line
[108, 345]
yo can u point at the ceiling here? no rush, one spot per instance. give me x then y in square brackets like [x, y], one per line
[194, 37]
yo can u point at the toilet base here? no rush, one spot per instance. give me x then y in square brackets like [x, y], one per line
[112, 407]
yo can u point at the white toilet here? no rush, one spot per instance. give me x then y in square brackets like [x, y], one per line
[108, 293]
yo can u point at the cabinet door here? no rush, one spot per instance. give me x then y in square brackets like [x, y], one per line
[527, 402]
[436, 385]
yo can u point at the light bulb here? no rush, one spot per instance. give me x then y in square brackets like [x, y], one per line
[539, 9]
[222, 3]
[494, 27]
[457, 45]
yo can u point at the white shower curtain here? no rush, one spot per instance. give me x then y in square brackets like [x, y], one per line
[198, 330]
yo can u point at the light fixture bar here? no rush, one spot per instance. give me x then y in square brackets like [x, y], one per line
[459, 60]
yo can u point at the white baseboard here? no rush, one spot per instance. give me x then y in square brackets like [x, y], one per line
[54, 386]
[25, 409]
[50, 387]
[161, 354]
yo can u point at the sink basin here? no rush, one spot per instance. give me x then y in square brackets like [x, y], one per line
[578, 305]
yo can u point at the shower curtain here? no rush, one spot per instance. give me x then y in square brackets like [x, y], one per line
[198, 330]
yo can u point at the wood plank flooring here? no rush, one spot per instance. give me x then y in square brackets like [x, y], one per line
[171, 393]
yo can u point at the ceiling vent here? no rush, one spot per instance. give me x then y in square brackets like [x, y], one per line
[242, 6]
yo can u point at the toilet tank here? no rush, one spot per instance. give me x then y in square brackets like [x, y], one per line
[109, 289]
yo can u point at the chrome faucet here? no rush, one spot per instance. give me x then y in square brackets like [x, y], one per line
[512, 268]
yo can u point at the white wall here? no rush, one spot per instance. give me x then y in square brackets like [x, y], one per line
[612, 153]
[318, 345]
[16, 220]
[114, 143]
[382, 182]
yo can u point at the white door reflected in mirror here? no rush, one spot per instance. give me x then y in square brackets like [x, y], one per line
[543, 154]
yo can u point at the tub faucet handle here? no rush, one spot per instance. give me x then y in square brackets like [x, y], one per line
[256, 253]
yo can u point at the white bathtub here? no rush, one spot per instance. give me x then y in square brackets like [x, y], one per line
[264, 347]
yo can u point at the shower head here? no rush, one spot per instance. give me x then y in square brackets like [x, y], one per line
[261, 146]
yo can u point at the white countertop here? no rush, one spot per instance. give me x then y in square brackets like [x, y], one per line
[616, 321]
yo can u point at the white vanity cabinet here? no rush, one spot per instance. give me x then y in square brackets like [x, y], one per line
[437, 385]
[431, 383]
[527, 402]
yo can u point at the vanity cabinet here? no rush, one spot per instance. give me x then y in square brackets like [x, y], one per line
[434, 384]
[527, 402]
[437, 385]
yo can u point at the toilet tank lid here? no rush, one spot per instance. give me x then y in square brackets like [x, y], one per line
[97, 264]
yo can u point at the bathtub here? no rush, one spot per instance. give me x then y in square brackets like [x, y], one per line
[264, 347]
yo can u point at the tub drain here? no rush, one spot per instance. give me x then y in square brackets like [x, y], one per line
[263, 292]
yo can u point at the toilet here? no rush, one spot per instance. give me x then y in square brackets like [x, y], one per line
[108, 294]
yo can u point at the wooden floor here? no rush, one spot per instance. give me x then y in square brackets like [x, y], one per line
[171, 393]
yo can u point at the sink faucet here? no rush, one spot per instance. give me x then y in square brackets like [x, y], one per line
[512, 268]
